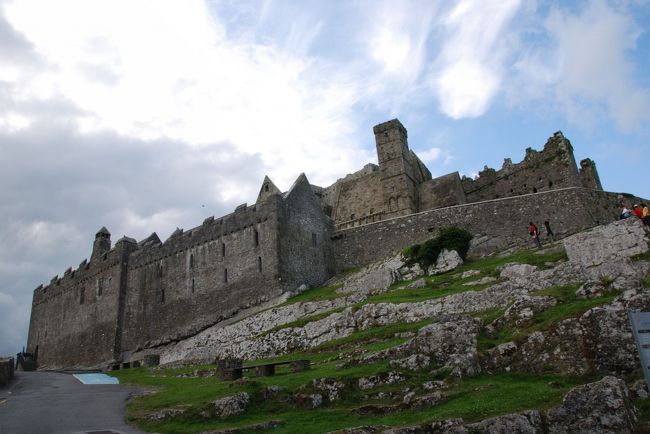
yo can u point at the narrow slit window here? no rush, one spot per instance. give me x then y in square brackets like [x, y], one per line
[223, 249]
[191, 261]
[259, 264]
[162, 295]
[225, 275]
[192, 285]
[82, 295]
[256, 238]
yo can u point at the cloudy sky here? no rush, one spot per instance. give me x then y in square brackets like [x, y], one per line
[143, 116]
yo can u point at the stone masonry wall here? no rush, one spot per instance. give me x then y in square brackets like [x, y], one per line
[496, 225]
[305, 248]
[73, 320]
[440, 192]
[552, 168]
[358, 199]
[204, 275]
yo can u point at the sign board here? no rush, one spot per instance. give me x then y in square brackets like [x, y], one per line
[641, 330]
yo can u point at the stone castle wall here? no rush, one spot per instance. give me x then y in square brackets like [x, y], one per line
[402, 185]
[496, 224]
[80, 311]
[552, 168]
[140, 295]
[440, 192]
[203, 275]
[305, 253]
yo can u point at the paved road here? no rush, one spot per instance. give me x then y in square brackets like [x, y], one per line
[57, 403]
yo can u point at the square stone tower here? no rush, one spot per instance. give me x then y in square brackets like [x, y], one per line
[398, 184]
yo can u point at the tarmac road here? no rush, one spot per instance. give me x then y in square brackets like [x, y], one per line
[58, 403]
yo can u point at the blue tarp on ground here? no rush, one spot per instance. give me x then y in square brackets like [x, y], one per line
[96, 378]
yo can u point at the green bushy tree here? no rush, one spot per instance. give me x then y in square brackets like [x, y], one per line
[449, 238]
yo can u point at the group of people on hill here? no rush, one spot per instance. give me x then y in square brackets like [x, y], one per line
[535, 234]
[638, 210]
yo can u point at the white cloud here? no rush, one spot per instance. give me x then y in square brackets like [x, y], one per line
[172, 71]
[13, 122]
[430, 155]
[469, 70]
[391, 49]
[585, 69]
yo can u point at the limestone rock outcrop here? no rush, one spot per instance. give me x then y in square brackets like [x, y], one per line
[601, 407]
[229, 406]
[447, 260]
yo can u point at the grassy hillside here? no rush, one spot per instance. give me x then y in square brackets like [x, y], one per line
[193, 388]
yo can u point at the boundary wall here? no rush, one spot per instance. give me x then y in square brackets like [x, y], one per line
[496, 224]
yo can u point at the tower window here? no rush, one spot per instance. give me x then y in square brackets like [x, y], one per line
[256, 238]
[192, 285]
[223, 249]
[259, 264]
[191, 261]
[266, 187]
[162, 295]
[225, 275]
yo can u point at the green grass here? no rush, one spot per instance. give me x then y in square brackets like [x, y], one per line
[568, 306]
[372, 334]
[315, 294]
[532, 257]
[643, 256]
[489, 315]
[643, 405]
[472, 399]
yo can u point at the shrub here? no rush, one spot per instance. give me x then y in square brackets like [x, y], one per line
[426, 254]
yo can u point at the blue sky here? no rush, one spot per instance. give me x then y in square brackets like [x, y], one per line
[144, 116]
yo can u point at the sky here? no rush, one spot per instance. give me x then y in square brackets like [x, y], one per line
[146, 116]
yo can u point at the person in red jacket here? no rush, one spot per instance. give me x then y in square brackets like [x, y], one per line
[534, 234]
[638, 211]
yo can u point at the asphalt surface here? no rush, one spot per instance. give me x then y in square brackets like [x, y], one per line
[57, 403]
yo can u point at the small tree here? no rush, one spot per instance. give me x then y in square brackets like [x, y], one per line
[426, 254]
